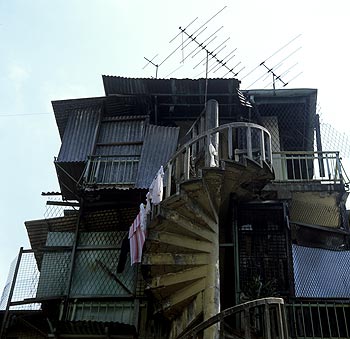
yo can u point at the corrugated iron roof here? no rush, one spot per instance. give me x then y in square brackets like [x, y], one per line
[63, 109]
[159, 145]
[80, 134]
[38, 229]
[188, 87]
[102, 221]
[321, 273]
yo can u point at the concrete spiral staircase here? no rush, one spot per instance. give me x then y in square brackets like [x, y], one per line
[181, 253]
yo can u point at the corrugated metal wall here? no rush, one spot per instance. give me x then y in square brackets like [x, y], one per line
[122, 135]
[159, 145]
[80, 134]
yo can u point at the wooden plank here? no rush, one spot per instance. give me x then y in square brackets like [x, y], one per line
[188, 225]
[174, 259]
[180, 241]
[179, 277]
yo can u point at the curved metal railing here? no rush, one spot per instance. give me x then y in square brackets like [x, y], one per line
[235, 141]
[263, 318]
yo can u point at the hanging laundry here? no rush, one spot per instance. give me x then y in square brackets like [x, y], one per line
[148, 203]
[213, 153]
[143, 217]
[156, 188]
[137, 236]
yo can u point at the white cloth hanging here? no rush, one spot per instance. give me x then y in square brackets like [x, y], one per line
[213, 153]
[156, 188]
[137, 236]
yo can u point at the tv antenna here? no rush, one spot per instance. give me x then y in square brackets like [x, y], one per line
[272, 70]
[150, 61]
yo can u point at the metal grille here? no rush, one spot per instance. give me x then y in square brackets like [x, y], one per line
[25, 284]
[263, 251]
[54, 274]
[106, 311]
[111, 170]
[96, 274]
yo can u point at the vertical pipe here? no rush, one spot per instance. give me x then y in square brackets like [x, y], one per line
[328, 168]
[328, 321]
[187, 163]
[12, 289]
[319, 146]
[212, 120]
[168, 184]
[236, 260]
[247, 334]
[229, 143]
[338, 167]
[312, 321]
[336, 319]
[249, 143]
[72, 262]
[267, 322]
[262, 147]
[345, 321]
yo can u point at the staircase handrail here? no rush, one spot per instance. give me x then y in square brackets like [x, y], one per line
[264, 150]
[239, 308]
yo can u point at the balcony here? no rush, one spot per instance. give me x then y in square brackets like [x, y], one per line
[111, 170]
[309, 167]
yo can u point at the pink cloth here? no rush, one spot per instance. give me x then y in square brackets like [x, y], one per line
[137, 238]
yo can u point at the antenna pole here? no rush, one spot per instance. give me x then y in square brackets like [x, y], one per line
[152, 63]
[206, 80]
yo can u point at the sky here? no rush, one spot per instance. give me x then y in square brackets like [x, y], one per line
[52, 50]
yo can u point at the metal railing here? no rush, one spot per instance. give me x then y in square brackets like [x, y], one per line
[261, 318]
[319, 319]
[236, 141]
[324, 167]
[111, 170]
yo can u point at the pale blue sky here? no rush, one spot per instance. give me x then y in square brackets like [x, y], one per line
[58, 50]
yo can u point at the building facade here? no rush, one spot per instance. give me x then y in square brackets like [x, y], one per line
[191, 209]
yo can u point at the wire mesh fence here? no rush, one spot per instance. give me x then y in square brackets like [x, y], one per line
[22, 283]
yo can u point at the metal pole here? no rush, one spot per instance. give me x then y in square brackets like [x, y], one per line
[13, 284]
[319, 146]
[71, 269]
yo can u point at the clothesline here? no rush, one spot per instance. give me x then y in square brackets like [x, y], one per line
[138, 229]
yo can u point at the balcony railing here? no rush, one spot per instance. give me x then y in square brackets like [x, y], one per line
[319, 319]
[323, 167]
[111, 170]
[236, 142]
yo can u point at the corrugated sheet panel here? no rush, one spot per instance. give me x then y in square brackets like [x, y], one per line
[120, 85]
[321, 273]
[80, 134]
[159, 145]
[63, 109]
[127, 131]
